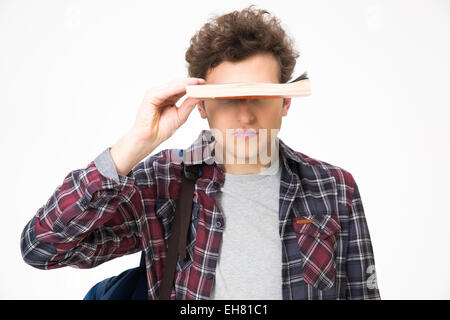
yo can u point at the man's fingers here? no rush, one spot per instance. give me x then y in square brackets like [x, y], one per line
[176, 87]
[186, 108]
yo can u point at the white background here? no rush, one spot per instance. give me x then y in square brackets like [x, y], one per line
[73, 73]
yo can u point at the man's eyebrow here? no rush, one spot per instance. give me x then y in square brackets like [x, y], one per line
[248, 99]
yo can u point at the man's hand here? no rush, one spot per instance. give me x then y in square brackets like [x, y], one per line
[158, 116]
[157, 119]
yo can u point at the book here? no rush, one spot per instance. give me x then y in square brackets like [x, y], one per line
[298, 87]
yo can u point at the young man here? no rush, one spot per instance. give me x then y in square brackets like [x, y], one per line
[267, 222]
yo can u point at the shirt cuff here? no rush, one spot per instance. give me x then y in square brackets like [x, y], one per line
[106, 166]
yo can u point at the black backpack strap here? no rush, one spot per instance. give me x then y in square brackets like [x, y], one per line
[180, 226]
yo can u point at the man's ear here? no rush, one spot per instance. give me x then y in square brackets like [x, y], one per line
[286, 105]
[201, 109]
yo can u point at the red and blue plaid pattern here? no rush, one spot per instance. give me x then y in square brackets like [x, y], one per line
[91, 219]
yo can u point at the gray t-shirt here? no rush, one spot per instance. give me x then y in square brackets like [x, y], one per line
[249, 265]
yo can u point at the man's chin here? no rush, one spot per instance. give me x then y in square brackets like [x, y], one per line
[245, 157]
[242, 156]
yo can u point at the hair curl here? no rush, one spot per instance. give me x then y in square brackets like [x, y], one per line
[236, 36]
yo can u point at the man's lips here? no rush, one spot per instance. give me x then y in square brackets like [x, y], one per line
[244, 133]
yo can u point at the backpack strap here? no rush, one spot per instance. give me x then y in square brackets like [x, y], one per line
[180, 226]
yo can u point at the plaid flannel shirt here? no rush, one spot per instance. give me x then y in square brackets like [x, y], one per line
[97, 215]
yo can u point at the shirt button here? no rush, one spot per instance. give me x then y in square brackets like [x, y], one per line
[218, 224]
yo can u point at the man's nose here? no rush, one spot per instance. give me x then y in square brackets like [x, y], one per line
[244, 112]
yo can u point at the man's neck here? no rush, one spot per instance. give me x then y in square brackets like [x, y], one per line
[245, 168]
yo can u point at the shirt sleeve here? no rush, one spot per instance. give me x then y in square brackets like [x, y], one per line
[92, 217]
[360, 264]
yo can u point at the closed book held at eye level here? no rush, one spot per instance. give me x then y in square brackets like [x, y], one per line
[298, 87]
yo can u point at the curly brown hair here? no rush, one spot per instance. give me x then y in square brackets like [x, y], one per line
[237, 35]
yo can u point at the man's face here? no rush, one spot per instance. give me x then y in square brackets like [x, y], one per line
[227, 116]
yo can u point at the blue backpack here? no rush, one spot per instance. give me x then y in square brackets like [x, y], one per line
[129, 285]
[132, 283]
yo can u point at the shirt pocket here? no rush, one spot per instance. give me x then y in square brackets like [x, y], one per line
[317, 237]
[165, 211]
[183, 264]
